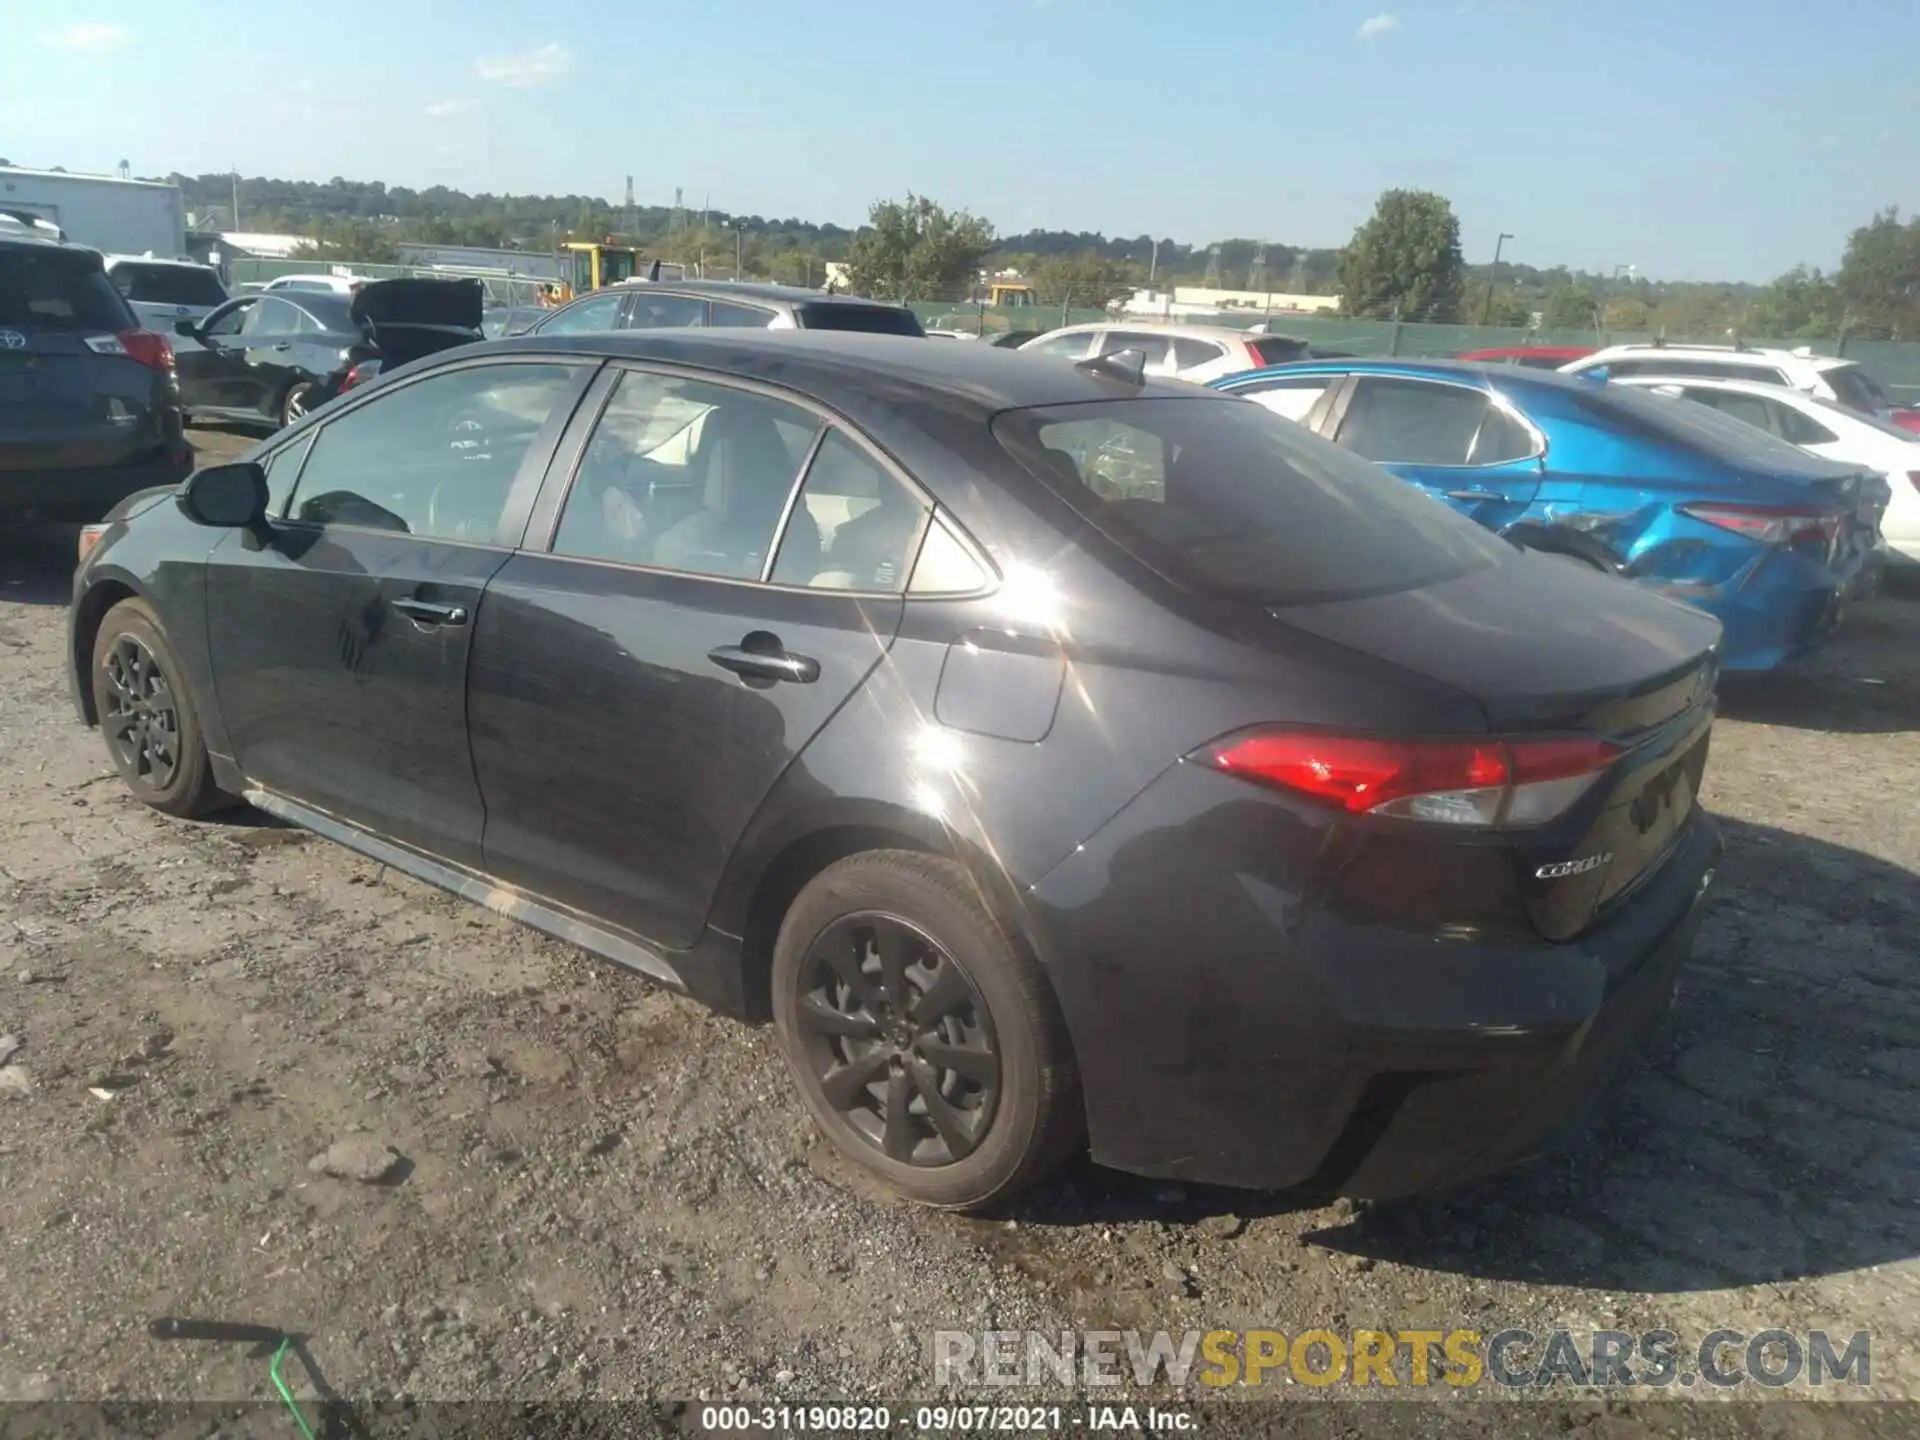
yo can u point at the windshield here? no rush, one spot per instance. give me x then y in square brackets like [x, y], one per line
[169, 284]
[874, 319]
[44, 289]
[1225, 496]
[1856, 389]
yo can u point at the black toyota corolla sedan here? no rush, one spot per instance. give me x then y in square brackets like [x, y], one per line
[1048, 754]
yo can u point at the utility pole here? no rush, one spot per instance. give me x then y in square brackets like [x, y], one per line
[630, 214]
[1153, 265]
[1486, 306]
[235, 174]
[738, 237]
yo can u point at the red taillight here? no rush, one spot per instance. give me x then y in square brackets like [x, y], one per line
[359, 375]
[1454, 782]
[142, 345]
[90, 537]
[1907, 420]
[1768, 524]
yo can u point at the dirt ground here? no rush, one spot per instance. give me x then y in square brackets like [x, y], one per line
[606, 1192]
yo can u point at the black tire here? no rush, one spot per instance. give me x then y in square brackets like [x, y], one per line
[299, 399]
[1018, 1124]
[147, 717]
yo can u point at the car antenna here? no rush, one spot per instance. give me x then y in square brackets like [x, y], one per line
[1127, 366]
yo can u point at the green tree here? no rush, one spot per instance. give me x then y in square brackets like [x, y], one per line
[1509, 308]
[915, 249]
[1568, 307]
[1087, 280]
[1405, 260]
[1880, 275]
[1626, 312]
[1802, 304]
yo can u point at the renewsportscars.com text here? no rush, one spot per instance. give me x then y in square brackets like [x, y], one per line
[1391, 1359]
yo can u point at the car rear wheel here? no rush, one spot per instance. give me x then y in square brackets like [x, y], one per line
[922, 1033]
[298, 401]
[148, 718]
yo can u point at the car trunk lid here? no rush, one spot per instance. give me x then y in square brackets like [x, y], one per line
[1547, 646]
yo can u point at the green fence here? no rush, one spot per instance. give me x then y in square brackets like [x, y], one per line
[1895, 365]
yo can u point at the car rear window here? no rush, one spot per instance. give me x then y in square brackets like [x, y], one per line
[42, 288]
[874, 319]
[1699, 428]
[1277, 349]
[1227, 497]
[1855, 388]
[169, 284]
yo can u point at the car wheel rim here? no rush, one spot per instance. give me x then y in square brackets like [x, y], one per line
[898, 1040]
[142, 719]
[296, 405]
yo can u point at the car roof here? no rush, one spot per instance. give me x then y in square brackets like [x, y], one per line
[113, 260]
[1506, 376]
[756, 290]
[1179, 332]
[1715, 382]
[855, 370]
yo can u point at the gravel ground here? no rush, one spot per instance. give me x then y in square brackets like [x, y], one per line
[588, 1188]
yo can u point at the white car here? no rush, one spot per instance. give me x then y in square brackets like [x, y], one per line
[163, 292]
[1844, 382]
[337, 284]
[1823, 428]
[1198, 353]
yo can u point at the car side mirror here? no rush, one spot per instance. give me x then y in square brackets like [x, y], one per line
[227, 497]
[186, 328]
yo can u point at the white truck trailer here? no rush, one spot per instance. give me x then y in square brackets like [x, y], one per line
[118, 217]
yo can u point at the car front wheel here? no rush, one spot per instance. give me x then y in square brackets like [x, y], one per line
[147, 717]
[922, 1033]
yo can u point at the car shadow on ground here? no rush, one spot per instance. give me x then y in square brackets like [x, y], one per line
[1865, 682]
[36, 563]
[1772, 1134]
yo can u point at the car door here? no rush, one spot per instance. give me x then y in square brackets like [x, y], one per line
[1454, 441]
[640, 682]
[209, 362]
[339, 643]
[267, 368]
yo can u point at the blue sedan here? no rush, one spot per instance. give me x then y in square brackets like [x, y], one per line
[1765, 538]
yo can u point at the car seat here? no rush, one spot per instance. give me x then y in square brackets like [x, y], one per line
[747, 473]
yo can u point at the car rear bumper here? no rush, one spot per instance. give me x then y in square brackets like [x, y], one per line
[1774, 612]
[85, 495]
[1248, 1037]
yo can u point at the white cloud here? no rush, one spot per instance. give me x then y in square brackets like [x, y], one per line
[452, 107]
[1379, 25]
[531, 67]
[88, 35]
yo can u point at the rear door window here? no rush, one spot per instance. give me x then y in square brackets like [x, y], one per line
[666, 312]
[1412, 422]
[169, 284]
[1856, 389]
[873, 319]
[58, 290]
[1067, 347]
[602, 312]
[1290, 399]
[1191, 354]
[1157, 348]
[865, 524]
[1230, 499]
[725, 312]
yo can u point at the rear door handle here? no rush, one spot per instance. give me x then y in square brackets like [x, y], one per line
[762, 665]
[429, 612]
[1475, 495]
[284, 345]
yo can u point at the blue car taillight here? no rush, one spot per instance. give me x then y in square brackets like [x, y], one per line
[1768, 524]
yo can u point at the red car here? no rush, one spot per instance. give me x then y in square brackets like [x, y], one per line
[1540, 357]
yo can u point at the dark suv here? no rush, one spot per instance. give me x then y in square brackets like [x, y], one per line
[689, 304]
[89, 407]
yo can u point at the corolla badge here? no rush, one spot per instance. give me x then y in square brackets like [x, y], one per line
[1572, 867]
[12, 340]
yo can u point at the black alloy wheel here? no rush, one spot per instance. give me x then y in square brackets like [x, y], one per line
[921, 1032]
[147, 716]
[141, 719]
[899, 1039]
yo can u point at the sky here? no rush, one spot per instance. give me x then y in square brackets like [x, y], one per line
[1692, 139]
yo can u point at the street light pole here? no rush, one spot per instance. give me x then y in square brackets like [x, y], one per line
[737, 238]
[1153, 265]
[1486, 306]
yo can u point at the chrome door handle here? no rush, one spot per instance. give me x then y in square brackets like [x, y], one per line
[428, 612]
[760, 665]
